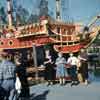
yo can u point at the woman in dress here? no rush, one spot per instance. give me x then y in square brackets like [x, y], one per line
[49, 71]
[61, 72]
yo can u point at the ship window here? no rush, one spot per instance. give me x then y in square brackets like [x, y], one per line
[70, 43]
[57, 43]
[76, 42]
[58, 29]
[66, 31]
[72, 30]
[1, 43]
[61, 43]
[64, 43]
[10, 42]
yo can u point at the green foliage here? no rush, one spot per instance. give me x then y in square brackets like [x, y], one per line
[3, 16]
[97, 40]
[43, 7]
[97, 72]
[22, 15]
[47, 46]
[32, 18]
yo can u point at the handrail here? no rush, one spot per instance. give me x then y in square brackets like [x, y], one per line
[93, 20]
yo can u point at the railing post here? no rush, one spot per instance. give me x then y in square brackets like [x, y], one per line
[35, 61]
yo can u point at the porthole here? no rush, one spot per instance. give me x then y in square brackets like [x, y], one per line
[10, 43]
[1, 43]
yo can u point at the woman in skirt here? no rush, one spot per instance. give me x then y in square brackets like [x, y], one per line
[49, 71]
[61, 71]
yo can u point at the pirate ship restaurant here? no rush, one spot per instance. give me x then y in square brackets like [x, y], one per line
[32, 41]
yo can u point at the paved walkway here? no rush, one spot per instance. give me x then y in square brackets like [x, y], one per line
[57, 92]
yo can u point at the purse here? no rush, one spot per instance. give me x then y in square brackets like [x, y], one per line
[18, 85]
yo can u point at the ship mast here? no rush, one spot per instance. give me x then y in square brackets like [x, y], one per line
[58, 15]
[9, 11]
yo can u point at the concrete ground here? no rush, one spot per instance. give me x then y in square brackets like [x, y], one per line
[57, 92]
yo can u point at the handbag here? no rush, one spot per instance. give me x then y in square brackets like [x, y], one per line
[18, 85]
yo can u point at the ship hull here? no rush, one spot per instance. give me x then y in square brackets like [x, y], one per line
[15, 43]
[64, 46]
[64, 38]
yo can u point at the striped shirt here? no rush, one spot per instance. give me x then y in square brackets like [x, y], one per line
[7, 70]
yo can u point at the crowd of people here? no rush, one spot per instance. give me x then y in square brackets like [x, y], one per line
[12, 68]
[75, 67]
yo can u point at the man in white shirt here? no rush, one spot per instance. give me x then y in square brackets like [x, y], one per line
[73, 62]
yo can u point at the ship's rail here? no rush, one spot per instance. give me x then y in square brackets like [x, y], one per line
[31, 34]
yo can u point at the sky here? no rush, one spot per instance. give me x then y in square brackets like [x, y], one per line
[76, 10]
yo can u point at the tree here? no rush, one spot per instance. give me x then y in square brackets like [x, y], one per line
[3, 16]
[43, 6]
[97, 40]
[22, 15]
[33, 18]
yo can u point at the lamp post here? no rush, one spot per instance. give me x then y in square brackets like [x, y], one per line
[35, 61]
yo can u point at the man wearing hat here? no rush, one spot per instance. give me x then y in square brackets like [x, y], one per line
[8, 75]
